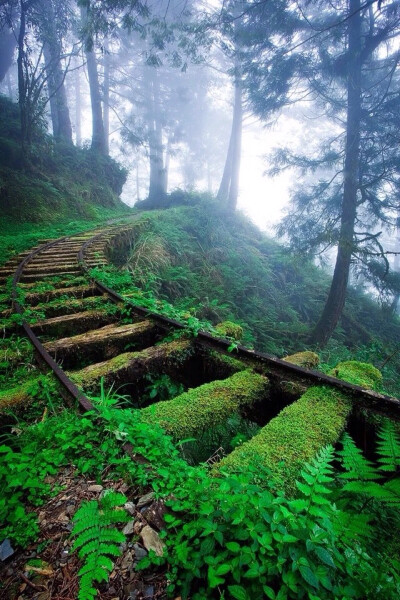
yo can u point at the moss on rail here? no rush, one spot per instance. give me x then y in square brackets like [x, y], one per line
[301, 429]
[207, 405]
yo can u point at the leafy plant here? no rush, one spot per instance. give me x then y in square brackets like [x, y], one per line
[97, 539]
[162, 387]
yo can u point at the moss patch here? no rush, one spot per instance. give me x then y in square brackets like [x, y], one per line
[144, 360]
[362, 374]
[206, 406]
[299, 431]
[307, 359]
[230, 329]
[17, 396]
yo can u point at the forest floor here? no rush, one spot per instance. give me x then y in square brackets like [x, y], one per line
[47, 569]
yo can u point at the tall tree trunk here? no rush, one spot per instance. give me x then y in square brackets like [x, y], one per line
[62, 128]
[229, 187]
[337, 293]
[51, 89]
[22, 99]
[223, 192]
[157, 187]
[237, 147]
[106, 96]
[78, 106]
[9, 86]
[98, 137]
[7, 47]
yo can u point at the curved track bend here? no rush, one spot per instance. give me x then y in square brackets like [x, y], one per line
[83, 338]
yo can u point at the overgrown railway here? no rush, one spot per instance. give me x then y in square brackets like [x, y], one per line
[91, 335]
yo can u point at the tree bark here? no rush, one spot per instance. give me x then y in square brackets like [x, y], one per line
[22, 100]
[7, 47]
[106, 96]
[337, 293]
[78, 107]
[229, 188]
[157, 187]
[237, 147]
[62, 128]
[98, 136]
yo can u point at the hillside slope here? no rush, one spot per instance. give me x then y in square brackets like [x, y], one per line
[56, 182]
[221, 267]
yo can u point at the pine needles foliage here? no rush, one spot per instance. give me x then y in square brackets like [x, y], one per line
[97, 539]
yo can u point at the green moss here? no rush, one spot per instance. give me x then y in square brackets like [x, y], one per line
[224, 362]
[194, 411]
[307, 359]
[230, 329]
[299, 431]
[362, 374]
[176, 350]
[17, 396]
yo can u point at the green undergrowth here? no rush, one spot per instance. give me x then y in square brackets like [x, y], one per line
[218, 267]
[225, 537]
[122, 281]
[53, 182]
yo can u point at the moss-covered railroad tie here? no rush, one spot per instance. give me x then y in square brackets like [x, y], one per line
[134, 365]
[294, 437]
[207, 405]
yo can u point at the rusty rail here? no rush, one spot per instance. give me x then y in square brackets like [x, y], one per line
[277, 368]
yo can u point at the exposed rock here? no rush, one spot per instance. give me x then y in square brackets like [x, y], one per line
[151, 540]
[139, 551]
[137, 528]
[154, 515]
[95, 488]
[128, 529]
[146, 499]
[130, 507]
[6, 550]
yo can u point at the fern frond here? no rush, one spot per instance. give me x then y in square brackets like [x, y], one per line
[97, 539]
[315, 476]
[355, 464]
[349, 525]
[388, 447]
[393, 488]
[94, 546]
[111, 535]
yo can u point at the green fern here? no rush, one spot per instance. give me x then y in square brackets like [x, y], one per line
[363, 478]
[97, 540]
[356, 466]
[388, 447]
[315, 476]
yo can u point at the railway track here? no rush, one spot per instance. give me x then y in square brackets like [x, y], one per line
[86, 340]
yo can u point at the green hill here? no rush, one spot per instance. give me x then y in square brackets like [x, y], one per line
[56, 181]
[221, 267]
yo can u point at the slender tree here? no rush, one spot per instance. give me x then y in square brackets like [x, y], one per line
[337, 293]
[49, 25]
[353, 82]
[98, 134]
